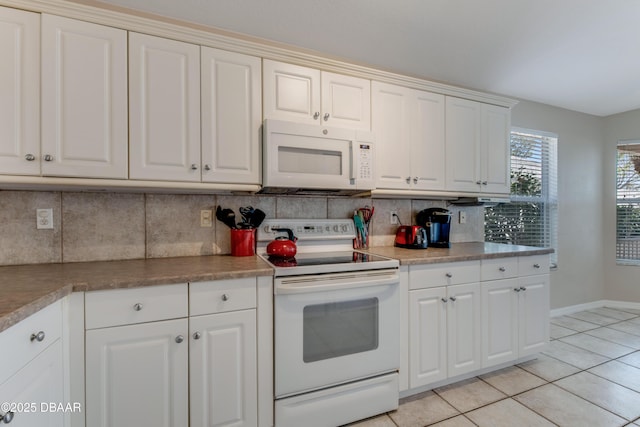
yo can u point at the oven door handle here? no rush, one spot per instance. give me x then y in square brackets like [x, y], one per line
[307, 285]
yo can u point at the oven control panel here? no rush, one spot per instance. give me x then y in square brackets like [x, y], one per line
[308, 229]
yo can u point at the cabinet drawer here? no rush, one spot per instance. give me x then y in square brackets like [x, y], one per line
[454, 273]
[222, 295]
[499, 268]
[127, 306]
[530, 265]
[23, 341]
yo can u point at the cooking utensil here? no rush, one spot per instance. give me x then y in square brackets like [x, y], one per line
[246, 212]
[257, 217]
[226, 216]
[283, 247]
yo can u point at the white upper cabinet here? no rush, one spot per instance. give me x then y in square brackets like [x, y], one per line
[307, 95]
[84, 99]
[164, 97]
[409, 129]
[477, 147]
[19, 92]
[231, 117]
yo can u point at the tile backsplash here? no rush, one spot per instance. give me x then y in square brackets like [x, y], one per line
[100, 226]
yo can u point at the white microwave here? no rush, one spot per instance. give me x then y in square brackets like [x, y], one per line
[313, 159]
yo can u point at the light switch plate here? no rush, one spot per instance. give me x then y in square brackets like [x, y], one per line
[44, 219]
[206, 218]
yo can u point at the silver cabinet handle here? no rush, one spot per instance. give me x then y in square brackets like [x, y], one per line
[479, 182]
[502, 269]
[316, 115]
[179, 339]
[326, 117]
[522, 288]
[408, 179]
[225, 297]
[137, 306]
[30, 157]
[48, 158]
[37, 337]
[415, 180]
[516, 289]
[444, 299]
[452, 299]
[194, 167]
[536, 265]
[449, 275]
[196, 335]
[207, 167]
[7, 417]
[484, 183]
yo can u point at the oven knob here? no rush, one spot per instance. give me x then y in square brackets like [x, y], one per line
[335, 228]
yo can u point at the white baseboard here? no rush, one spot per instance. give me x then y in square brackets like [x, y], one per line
[591, 305]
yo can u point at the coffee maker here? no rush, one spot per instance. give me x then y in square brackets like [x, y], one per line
[437, 222]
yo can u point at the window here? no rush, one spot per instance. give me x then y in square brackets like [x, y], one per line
[531, 217]
[628, 202]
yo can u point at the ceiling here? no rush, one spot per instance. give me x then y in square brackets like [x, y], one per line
[583, 55]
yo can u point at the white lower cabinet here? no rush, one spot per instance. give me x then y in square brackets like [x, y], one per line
[222, 360]
[515, 313]
[175, 363]
[137, 375]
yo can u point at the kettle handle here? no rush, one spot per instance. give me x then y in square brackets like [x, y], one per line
[288, 231]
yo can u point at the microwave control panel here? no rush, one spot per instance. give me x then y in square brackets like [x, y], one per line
[365, 161]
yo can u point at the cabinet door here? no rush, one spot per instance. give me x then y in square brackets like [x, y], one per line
[463, 328]
[499, 321]
[84, 99]
[231, 117]
[496, 155]
[463, 144]
[19, 92]
[38, 383]
[164, 96]
[291, 92]
[137, 375]
[427, 141]
[346, 101]
[427, 336]
[390, 126]
[223, 376]
[533, 312]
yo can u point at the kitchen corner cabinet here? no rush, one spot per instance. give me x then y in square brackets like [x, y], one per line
[164, 98]
[231, 117]
[84, 99]
[306, 95]
[409, 129]
[19, 92]
[477, 147]
[515, 308]
[444, 325]
[32, 371]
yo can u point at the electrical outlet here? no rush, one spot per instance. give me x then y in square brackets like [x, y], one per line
[44, 219]
[393, 219]
[462, 217]
[206, 218]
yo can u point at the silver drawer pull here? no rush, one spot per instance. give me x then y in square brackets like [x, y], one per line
[7, 418]
[502, 269]
[30, 157]
[137, 306]
[48, 158]
[522, 288]
[444, 299]
[179, 339]
[225, 297]
[516, 289]
[449, 275]
[452, 299]
[196, 335]
[37, 337]
[536, 265]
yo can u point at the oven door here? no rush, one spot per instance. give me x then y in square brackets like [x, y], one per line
[335, 328]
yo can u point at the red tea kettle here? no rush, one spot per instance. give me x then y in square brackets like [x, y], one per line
[283, 247]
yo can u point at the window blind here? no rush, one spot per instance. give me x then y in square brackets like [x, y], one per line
[531, 217]
[628, 202]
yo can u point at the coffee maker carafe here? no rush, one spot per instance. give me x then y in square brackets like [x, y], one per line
[437, 222]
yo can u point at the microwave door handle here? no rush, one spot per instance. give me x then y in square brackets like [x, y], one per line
[352, 163]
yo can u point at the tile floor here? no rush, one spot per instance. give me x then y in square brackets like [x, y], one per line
[589, 376]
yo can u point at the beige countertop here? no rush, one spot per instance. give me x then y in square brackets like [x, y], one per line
[26, 289]
[457, 252]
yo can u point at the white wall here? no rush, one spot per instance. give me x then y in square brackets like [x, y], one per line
[622, 282]
[579, 277]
